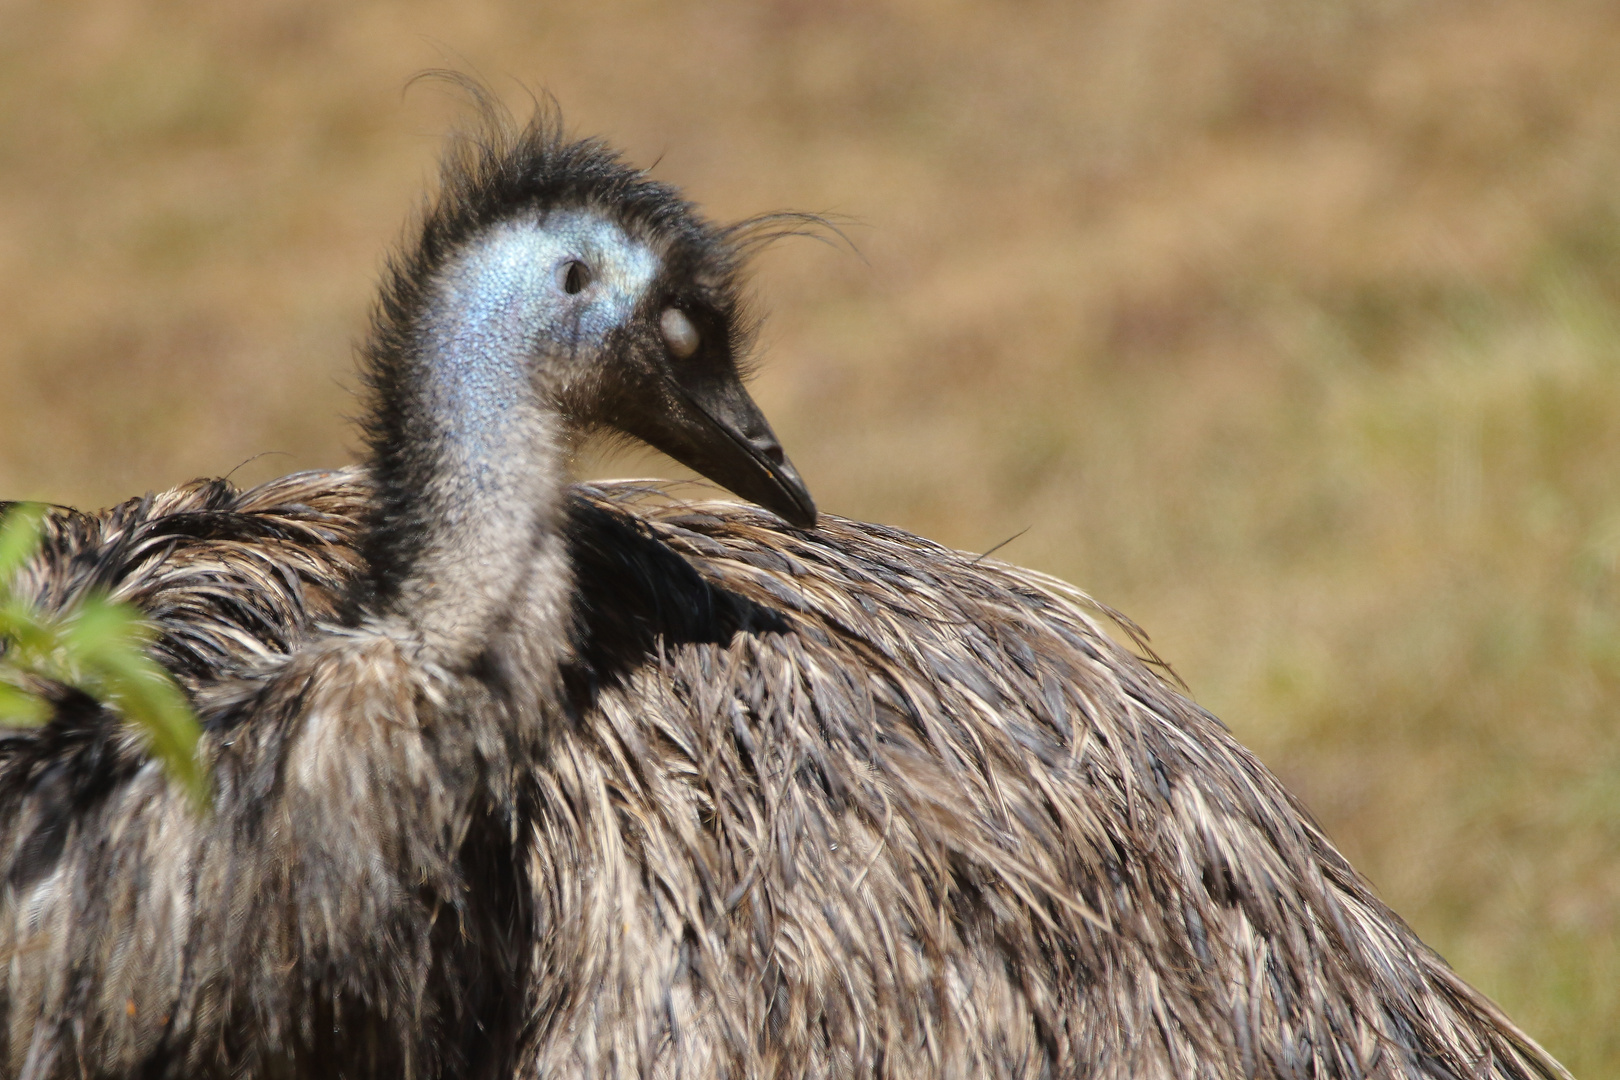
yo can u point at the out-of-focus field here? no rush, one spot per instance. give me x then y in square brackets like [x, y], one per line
[1291, 328]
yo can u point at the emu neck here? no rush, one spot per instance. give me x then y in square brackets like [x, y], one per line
[476, 472]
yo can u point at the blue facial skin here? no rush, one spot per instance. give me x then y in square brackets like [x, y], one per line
[501, 314]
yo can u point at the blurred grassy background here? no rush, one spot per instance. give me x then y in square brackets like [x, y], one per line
[1289, 327]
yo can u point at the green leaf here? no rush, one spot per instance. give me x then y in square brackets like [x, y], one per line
[154, 704]
[19, 708]
[25, 631]
[101, 625]
[19, 538]
[98, 646]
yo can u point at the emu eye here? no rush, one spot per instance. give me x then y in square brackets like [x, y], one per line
[575, 276]
[679, 333]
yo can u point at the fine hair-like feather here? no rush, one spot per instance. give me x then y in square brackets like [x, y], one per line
[899, 810]
[847, 803]
[335, 911]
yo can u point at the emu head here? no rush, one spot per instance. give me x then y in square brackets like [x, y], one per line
[616, 299]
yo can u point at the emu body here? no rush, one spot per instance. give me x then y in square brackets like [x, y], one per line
[845, 803]
[889, 809]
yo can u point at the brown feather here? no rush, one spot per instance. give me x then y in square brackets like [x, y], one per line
[330, 915]
[836, 803]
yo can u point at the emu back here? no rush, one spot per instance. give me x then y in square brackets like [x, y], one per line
[846, 803]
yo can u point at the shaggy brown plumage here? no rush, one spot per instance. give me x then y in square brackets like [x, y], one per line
[890, 809]
[842, 802]
[342, 909]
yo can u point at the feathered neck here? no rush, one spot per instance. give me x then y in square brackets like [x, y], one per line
[468, 454]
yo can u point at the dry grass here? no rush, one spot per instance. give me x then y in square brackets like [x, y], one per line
[1290, 327]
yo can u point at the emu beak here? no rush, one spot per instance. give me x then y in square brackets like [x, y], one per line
[741, 452]
[711, 425]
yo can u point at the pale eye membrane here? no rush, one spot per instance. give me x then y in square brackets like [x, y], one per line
[679, 334]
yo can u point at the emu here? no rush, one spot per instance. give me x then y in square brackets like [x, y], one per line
[375, 673]
[830, 801]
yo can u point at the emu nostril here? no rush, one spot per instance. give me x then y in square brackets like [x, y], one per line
[773, 453]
